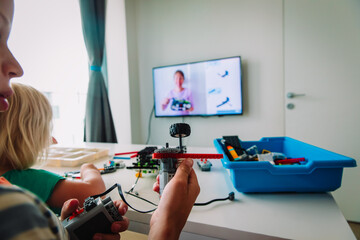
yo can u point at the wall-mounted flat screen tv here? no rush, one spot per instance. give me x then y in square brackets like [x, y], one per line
[205, 88]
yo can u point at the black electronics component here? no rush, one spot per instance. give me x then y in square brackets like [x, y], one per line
[96, 216]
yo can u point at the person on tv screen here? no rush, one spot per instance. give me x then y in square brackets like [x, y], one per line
[179, 98]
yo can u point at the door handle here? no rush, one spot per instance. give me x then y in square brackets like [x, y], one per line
[292, 95]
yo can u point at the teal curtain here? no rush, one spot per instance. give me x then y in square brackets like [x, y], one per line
[99, 125]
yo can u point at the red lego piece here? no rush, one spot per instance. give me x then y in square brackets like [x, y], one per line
[125, 153]
[77, 212]
[289, 161]
[187, 155]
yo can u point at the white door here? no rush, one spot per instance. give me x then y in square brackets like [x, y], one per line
[322, 61]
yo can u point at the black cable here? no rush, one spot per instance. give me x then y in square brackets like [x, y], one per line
[106, 192]
[133, 186]
[141, 198]
[122, 197]
[231, 197]
[124, 200]
[134, 195]
[149, 125]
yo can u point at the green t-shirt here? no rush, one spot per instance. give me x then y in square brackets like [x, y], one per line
[38, 181]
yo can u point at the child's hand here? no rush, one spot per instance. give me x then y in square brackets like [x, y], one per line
[71, 205]
[68, 208]
[88, 167]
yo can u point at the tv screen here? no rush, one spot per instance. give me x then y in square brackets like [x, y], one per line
[206, 88]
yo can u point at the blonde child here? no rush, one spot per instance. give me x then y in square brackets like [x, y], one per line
[166, 222]
[25, 135]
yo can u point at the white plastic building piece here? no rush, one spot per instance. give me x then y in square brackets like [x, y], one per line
[71, 157]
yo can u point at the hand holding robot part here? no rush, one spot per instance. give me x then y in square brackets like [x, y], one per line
[72, 205]
[168, 165]
[175, 204]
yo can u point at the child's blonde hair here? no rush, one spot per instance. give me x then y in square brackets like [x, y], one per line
[25, 129]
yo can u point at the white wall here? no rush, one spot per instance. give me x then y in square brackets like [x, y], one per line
[163, 32]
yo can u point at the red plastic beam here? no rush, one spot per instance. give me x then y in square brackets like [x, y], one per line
[289, 161]
[125, 153]
[187, 155]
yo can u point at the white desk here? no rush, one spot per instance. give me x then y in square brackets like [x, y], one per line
[250, 216]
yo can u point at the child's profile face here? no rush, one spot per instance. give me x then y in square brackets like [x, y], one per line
[9, 67]
[179, 80]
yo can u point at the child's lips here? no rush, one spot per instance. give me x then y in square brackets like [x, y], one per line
[4, 104]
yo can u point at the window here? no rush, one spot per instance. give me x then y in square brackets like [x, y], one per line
[47, 40]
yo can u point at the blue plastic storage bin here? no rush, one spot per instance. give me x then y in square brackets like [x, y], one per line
[322, 171]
